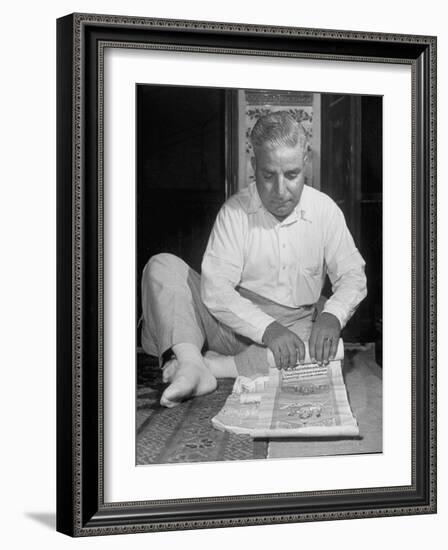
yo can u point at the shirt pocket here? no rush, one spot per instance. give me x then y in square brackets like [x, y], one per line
[308, 281]
[312, 266]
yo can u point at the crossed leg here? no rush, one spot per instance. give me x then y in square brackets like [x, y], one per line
[176, 321]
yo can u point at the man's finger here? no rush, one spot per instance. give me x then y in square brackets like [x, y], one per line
[300, 347]
[296, 355]
[312, 346]
[287, 360]
[292, 355]
[278, 358]
[284, 357]
[326, 347]
[334, 348]
[319, 349]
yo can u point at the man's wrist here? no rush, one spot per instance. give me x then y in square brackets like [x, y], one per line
[333, 311]
[333, 317]
[267, 331]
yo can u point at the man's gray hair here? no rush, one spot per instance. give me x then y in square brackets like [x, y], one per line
[278, 128]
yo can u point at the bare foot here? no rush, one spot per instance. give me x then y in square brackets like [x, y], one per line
[187, 379]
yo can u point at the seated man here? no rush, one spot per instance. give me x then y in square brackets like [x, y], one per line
[262, 274]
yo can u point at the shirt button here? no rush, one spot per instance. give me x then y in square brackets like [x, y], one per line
[284, 267]
[284, 245]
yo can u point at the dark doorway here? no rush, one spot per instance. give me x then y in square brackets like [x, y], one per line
[351, 174]
[181, 170]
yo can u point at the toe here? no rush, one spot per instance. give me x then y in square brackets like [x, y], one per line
[182, 388]
[166, 402]
[188, 380]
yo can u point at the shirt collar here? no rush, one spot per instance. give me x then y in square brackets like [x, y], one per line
[254, 199]
[301, 212]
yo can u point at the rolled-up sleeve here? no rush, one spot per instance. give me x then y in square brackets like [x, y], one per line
[345, 268]
[221, 271]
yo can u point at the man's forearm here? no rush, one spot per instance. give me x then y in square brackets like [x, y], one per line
[236, 312]
[348, 292]
[218, 292]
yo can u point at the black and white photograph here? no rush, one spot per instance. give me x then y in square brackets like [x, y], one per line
[259, 274]
[246, 275]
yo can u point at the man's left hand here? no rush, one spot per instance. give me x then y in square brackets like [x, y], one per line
[324, 338]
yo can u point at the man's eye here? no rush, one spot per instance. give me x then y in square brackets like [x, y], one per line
[267, 176]
[292, 175]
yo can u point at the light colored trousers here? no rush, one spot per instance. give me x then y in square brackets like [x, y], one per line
[174, 313]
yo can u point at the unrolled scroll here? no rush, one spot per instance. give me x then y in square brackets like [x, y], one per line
[309, 400]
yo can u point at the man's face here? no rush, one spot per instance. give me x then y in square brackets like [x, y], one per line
[279, 173]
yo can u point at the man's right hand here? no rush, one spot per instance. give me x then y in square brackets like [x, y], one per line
[286, 346]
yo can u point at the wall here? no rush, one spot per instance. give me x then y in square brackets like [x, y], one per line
[27, 219]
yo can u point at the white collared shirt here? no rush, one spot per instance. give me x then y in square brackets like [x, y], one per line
[285, 261]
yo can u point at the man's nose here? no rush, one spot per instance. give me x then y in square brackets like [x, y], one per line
[281, 185]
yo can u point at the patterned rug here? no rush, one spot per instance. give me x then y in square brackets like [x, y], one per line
[184, 433]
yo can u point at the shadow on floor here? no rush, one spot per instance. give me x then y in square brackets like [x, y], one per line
[48, 519]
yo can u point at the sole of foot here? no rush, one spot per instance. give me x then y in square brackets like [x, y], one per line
[186, 380]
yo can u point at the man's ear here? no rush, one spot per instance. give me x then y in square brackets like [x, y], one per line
[307, 157]
[253, 162]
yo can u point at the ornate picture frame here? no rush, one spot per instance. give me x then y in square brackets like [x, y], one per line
[81, 506]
